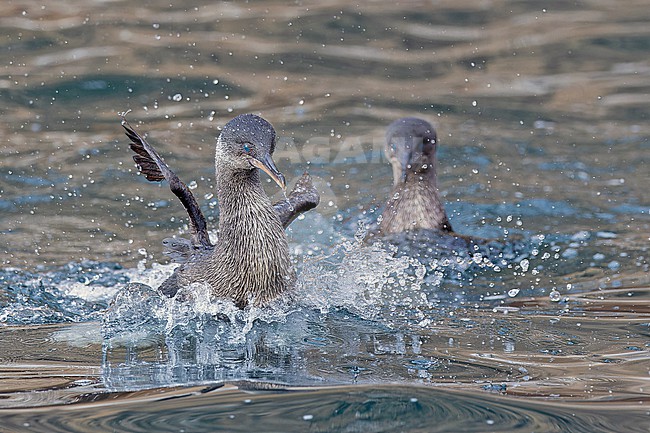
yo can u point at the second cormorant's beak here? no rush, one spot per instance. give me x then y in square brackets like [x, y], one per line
[403, 153]
[407, 153]
[404, 159]
[267, 165]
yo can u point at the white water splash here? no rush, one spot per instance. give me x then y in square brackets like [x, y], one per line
[364, 279]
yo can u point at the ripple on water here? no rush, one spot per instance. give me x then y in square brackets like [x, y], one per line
[361, 409]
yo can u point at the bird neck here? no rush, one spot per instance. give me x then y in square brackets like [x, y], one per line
[242, 201]
[251, 242]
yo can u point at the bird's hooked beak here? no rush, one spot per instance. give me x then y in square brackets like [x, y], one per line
[267, 165]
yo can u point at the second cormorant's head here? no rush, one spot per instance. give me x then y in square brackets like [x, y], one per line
[411, 149]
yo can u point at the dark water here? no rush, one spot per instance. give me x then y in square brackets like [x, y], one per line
[359, 409]
[542, 115]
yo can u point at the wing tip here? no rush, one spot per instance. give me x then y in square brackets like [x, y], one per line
[145, 163]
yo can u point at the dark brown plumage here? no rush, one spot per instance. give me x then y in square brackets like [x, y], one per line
[250, 262]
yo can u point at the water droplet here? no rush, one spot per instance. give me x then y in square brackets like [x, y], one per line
[524, 265]
[177, 97]
[555, 296]
[291, 208]
[513, 292]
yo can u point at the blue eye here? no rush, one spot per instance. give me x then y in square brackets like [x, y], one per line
[246, 148]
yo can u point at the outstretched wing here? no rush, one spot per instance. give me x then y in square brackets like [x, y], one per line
[155, 169]
[302, 198]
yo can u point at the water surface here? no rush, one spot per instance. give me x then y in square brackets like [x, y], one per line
[542, 116]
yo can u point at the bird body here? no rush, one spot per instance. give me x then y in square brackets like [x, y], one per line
[250, 262]
[414, 205]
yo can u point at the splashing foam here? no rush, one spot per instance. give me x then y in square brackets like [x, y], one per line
[139, 310]
[363, 279]
[366, 280]
[371, 281]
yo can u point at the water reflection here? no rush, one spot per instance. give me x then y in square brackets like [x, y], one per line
[577, 351]
[361, 409]
[552, 353]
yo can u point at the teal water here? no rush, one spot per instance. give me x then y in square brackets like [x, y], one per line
[541, 113]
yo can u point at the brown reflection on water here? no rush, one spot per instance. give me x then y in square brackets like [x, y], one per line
[378, 408]
[587, 348]
[520, 57]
